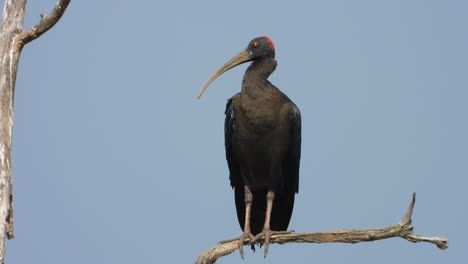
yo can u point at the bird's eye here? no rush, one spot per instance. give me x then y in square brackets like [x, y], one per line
[255, 44]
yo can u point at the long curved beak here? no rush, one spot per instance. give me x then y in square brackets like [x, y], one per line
[242, 57]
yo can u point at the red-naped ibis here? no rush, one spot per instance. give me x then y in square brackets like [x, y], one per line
[263, 145]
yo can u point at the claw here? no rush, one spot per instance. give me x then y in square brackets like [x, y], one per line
[267, 233]
[241, 240]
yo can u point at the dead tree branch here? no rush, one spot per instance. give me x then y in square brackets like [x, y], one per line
[12, 41]
[46, 23]
[404, 229]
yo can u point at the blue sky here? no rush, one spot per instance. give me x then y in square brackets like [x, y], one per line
[115, 161]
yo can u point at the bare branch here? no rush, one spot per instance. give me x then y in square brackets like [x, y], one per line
[46, 23]
[407, 218]
[404, 230]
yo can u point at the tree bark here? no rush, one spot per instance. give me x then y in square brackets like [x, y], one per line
[404, 229]
[12, 41]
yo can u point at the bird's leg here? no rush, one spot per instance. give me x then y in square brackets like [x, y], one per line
[248, 197]
[266, 227]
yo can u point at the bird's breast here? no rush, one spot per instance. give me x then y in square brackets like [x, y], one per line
[261, 115]
[259, 124]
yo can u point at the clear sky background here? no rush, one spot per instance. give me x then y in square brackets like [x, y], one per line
[115, 161]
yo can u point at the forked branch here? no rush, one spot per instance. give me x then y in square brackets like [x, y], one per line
[46, 23]
[404, 229]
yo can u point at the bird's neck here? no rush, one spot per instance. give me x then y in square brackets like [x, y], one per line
[256, 77]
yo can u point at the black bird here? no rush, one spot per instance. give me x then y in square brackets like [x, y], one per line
[263, 145]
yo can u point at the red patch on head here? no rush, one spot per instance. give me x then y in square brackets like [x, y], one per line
[270, 42]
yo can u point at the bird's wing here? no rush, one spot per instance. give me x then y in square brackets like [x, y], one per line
[229, 130]
[284, 199]
[294, 157]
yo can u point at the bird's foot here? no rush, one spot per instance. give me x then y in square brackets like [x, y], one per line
[267, 233]
[242, 238]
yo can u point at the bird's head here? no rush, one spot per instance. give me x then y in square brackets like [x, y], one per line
[261, 47]
[258, 48]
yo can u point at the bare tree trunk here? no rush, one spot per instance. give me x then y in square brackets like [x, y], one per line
[12, 41]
